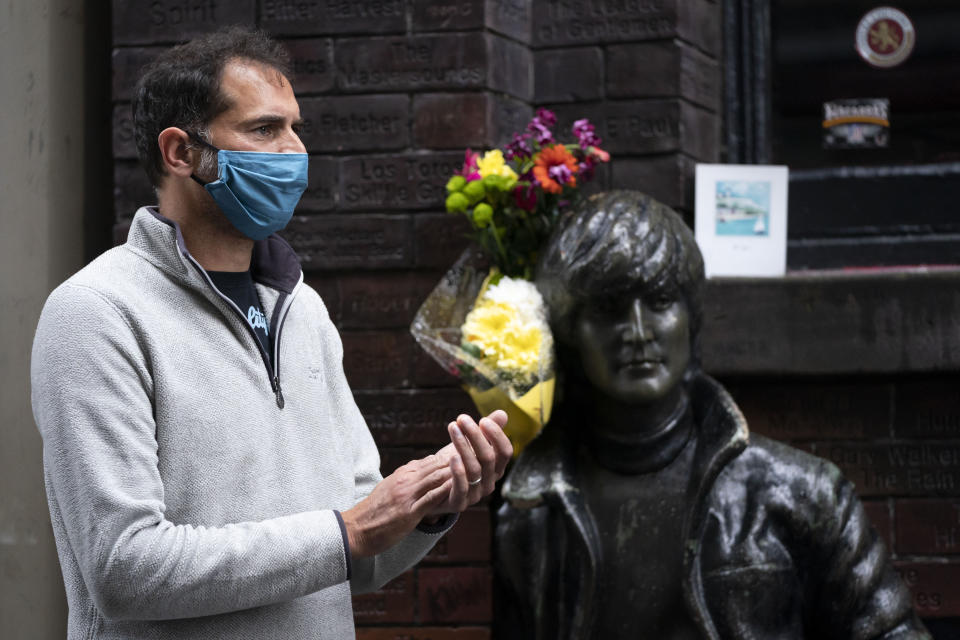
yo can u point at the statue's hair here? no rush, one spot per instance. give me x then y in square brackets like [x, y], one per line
[617, 243]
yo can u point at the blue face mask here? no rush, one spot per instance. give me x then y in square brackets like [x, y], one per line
[257, 191]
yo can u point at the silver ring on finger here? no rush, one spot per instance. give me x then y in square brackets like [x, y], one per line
[474, 483]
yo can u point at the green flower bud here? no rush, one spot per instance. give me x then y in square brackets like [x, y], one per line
[482, 215]
[455, 184]
[457, 203]
[475, 191]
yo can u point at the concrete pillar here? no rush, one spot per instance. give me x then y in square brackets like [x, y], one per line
[41, 243]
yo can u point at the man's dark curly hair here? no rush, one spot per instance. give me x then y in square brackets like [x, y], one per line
[615, 244]
[181, 88]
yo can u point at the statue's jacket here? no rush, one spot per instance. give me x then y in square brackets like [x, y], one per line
[776, 543]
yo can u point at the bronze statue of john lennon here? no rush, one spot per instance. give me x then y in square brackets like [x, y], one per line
[645, 509]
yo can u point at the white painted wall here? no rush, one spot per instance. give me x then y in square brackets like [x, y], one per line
[41, 243]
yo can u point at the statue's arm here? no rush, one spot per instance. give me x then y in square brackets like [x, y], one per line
[518, 545]
[853, 585]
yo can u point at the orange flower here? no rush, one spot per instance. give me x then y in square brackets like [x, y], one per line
[554, 167]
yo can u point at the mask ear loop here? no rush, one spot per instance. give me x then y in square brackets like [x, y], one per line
[196, 138]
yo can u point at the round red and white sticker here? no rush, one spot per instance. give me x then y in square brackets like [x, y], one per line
[885, 37]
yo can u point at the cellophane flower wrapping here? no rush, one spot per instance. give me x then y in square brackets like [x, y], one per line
[491, 332]
[486, 324]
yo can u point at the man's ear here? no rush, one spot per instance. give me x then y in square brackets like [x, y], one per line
[176, 151]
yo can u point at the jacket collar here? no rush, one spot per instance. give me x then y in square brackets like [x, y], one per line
[545, 474]
[160, 240]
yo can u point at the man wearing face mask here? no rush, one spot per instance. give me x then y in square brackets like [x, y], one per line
[208, 472]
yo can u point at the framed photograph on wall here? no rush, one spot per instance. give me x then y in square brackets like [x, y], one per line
[741, 219]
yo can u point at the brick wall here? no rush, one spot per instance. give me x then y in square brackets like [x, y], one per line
[392, 91]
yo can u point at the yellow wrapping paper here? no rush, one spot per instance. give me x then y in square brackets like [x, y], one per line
[527, 414]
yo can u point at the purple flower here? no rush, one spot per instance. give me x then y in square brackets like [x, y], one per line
[547, 117]
[584, 131]
[525, 197]
[519, 146]
[560, 173]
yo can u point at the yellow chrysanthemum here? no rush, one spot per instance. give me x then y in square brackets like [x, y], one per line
[493, 164]
[508, 341]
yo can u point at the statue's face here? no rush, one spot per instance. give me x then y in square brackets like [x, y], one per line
[635, 347]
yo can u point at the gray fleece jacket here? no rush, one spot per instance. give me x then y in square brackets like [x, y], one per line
[195, 489]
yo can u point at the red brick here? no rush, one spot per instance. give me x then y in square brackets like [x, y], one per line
[384, 299]
[377, 359]
[412, 181]
[878, 512]
[355, 123]
[681, 71]
[449, 61]
[350, 241]
[898, 469]
[569, 75]
[409, 418]
[933, 586]
[131, 189]
[455, 594]
[814, 410]
[460, 120]
[124, 145]
[928, 526]
[513, 18]
[423, 633]
[668, 178]
[393, 457]
[166, 21]
[332, 17]
[311, 64]
[322, 186]
[428, 373]
[393, 603]
[328, 286]
[439, 239]
[467, 541]
[509, 67]
[928, 407]
[448, 15]
[126, 66]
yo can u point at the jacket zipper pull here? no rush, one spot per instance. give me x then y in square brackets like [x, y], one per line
[279, 392]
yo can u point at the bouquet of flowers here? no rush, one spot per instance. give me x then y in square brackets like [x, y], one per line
[485, 321]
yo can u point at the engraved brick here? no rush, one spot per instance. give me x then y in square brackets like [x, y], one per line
[384, 300]
[513, 18]
[322, 185]
[355, 123]
[412, 181]
[928, 526]
[131, 189]
[423, 633]
[412, 418]
[928, 407]
[568, 75]
[328, 286]
[933, 587]
[393, 603]
[563, 22]
[428, 373]
[816, 411]
[126, 65]
[455, 594]
[662, 69]
[332, 17]
[377, 359]
[649, 126]
[467, 541]
[124, 145]
[350, 242]
[898, 469]
[459, 120]
[439, 239]
[878, 513]
[668, 178]
[510, 67]
[163, 21]
[447, 15]
[450, 61]
[311, 64]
